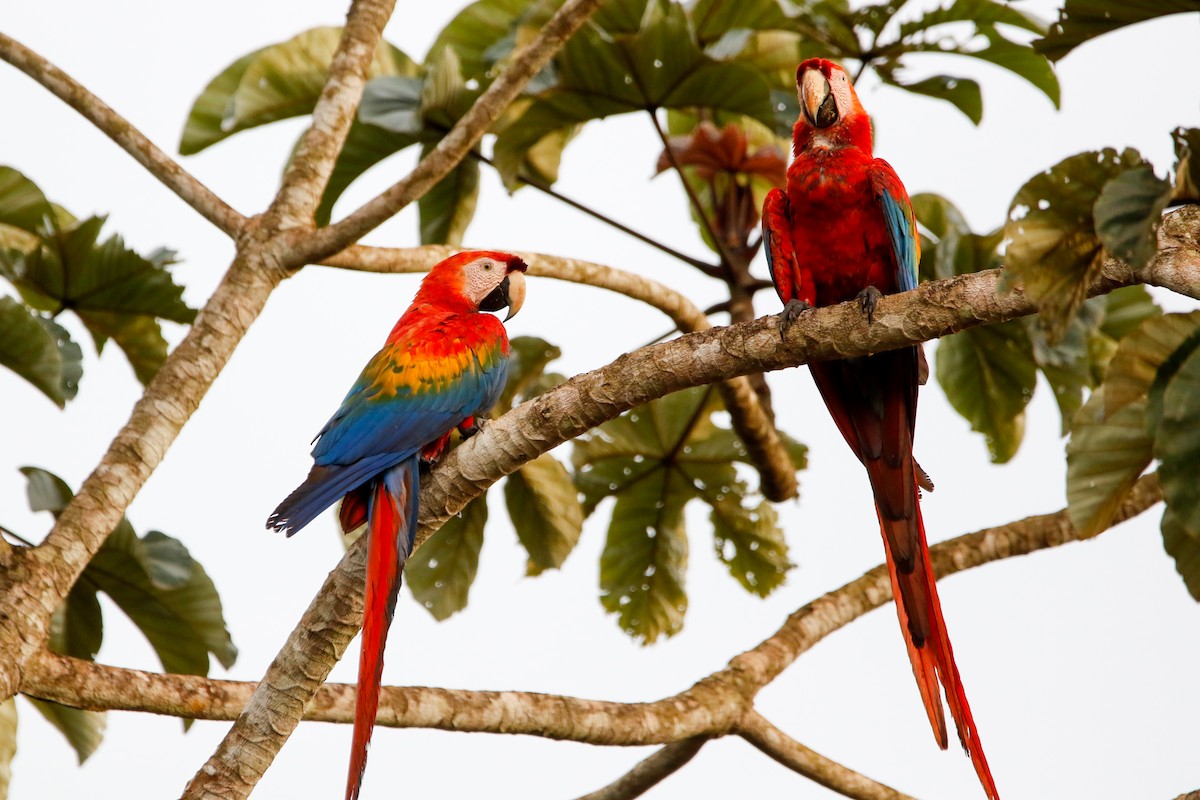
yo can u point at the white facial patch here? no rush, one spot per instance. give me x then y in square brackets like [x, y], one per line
[482, 276]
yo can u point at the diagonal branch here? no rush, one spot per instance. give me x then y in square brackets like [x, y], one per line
[309, 170]
[747, 415]
[756, 730]
[649, 772]
[713, 706]
[454, 147]
[127, 137]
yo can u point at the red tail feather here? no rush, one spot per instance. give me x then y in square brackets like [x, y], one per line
[387, 517]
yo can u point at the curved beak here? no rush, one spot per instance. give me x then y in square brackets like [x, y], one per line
[515, 283]
[816, 99]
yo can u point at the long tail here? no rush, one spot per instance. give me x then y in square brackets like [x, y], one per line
[391, 516]
[873, 402]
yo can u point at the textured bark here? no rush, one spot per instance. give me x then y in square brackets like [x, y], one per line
[126, 136]
[715, 705]
[787, 751]
[650, 771]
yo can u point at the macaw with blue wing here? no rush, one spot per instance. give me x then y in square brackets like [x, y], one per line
[444, 365]
[844, 230]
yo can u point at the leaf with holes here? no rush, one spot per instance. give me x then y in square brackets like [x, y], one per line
[545, 510]
[653, 461]
[1053, 249]
[1128, 212]
[440, 572]
[274, 83]
[988, 375]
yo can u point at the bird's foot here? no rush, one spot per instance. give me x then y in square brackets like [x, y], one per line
[791, 312]
[471, 426]
[868, 298]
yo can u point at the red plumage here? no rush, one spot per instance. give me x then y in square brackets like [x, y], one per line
[844, 229]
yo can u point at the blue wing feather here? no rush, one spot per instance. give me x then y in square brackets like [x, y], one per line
[900, 223]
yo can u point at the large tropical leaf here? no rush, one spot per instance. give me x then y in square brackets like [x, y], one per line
[653, 461]
[545, 510]
[84, 730]
[1054, 249]
[22, 204]
[1128, 212]
[1081, 20]
[604, 72]
[1177, 447]
[989, 375]
[441, 571]
[274, 83]
[40, 351]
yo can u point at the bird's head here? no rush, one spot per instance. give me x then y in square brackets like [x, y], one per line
[830, 113]
[481, 280]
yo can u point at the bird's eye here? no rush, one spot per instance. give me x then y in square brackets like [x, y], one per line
[487, 265]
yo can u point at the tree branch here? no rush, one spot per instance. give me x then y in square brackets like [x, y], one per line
[127, 137]
[462, 137]
[756, 730]
[309, 170]
[649, 772]
[713, 706]
[751, 422]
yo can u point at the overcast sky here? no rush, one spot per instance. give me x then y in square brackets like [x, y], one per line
[1079, 663]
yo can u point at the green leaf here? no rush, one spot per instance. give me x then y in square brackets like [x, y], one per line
[1183, 546]
[545, 511]
[601, 73]
[441, 571]
[749, 542]
[449, 206]
[530, 357]
[40, 351]
[77, 626]
[1177, 444]
[1139, 356]
[653, 461]
[988, 375]
[714, 19]
[643, 565]
[153, 579]
[274, 83]
[962, 93]
[8, 743]
[1081, 20]
[394, 104]
[475, 30]
[1128, 212]
[139, 337]
[366, 145]
[1106, 454]
[84, 729]
[1187, 165]
[1019, 59]
[1068, 365]
[22, 204]
[1127, 308]
[1054, 250]
[978, 12]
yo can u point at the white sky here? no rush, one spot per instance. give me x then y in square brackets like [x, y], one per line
[1079, 663]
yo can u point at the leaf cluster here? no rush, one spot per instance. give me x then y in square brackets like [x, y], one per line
[155, 581]
[58, 263]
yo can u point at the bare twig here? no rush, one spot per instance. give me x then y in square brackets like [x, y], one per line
[649, 772]
[462, 137]
[795, 756]
[127, 137]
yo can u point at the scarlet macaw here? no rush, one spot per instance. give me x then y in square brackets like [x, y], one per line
[844, 229]
[443, 365]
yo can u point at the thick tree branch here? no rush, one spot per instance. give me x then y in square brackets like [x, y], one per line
[309, 170]
[462, 137]
[715, 705]
[792, 754]
[747, 416]
[127, 137]
[649, 772]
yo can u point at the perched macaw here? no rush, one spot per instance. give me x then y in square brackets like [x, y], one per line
[844, 230]
[443, 365]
